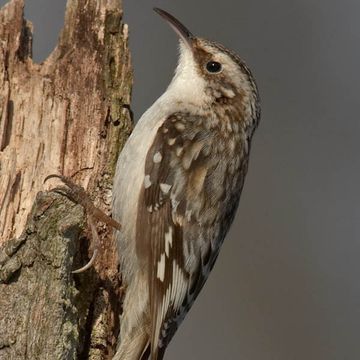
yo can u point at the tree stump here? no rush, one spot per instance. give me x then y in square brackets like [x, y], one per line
[69, 115]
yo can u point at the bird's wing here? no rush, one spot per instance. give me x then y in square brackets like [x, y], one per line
[177, 210]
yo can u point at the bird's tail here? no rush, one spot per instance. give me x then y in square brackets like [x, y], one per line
[134, 338]
[133, 348]
[157, 355]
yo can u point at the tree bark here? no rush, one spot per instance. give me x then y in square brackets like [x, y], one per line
[67, 114]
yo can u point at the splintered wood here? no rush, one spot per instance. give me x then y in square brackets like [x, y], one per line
[66, 114]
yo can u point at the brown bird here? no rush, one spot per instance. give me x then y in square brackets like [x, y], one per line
[177, 187]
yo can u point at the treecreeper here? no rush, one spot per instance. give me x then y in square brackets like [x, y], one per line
[176, 189]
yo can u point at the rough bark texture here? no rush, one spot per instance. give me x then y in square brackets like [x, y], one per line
[64, 115]
[38, 295]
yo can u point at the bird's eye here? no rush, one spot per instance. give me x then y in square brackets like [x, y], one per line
[213, 67]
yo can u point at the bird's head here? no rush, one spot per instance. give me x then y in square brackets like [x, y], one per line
[208, 73]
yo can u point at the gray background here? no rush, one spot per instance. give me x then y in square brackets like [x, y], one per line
[286, 285]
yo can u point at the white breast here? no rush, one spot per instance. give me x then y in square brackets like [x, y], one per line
[128, 180]
[185, 93]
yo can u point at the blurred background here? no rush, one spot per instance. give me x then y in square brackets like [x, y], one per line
[286, 285]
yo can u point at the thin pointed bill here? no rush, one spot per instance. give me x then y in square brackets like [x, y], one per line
[178, 27]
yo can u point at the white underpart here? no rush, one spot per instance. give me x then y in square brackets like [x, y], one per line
[188, 86]
[186, 91]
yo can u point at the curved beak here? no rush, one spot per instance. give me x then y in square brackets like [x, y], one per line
[177, 26]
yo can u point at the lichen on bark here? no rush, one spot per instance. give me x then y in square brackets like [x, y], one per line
[39, 316]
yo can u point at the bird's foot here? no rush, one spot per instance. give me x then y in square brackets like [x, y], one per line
[78, 195]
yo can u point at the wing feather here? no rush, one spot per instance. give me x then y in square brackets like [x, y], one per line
[176, 217]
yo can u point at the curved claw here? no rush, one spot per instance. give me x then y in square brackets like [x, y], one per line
[51, 176]
[78, 195]
[96, 241]
[88, 265]
[74, 187]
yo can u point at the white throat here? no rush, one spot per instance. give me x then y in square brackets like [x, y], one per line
[187, 86]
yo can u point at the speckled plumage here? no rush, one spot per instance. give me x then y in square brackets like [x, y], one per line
[177, 187]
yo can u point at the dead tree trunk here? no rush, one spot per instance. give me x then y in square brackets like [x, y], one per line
[67, 114]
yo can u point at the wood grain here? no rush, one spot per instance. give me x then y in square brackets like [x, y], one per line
[69, 114]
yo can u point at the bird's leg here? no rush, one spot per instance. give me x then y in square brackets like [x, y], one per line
[78, 195]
